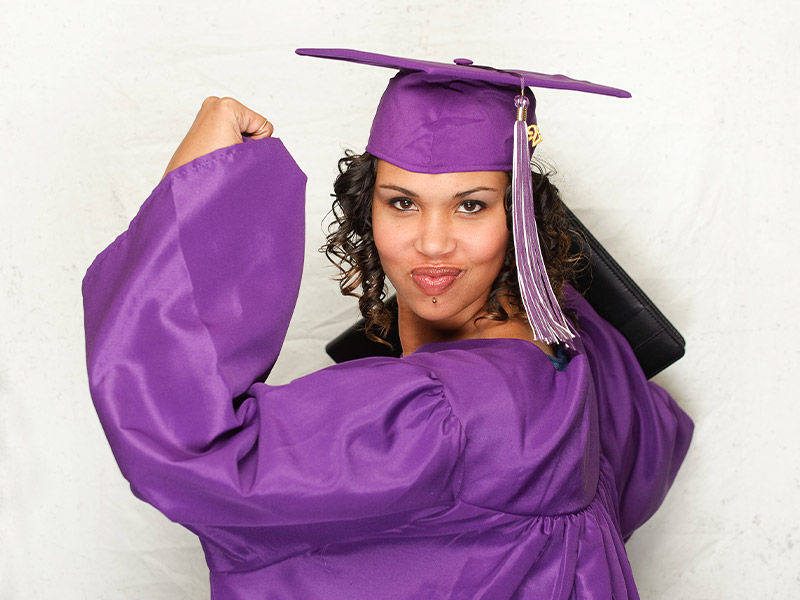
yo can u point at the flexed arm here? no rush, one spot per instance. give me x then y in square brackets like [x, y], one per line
[188, 308]
[190, 305]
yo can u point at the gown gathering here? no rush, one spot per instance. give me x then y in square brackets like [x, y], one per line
[467, 469]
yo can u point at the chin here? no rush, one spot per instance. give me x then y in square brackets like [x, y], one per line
[450, 312]
[430, 311]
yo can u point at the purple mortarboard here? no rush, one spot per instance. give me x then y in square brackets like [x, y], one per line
[447, 118]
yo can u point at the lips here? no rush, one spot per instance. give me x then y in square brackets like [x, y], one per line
[434, 280]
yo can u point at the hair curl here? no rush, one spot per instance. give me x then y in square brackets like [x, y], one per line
[350, 246]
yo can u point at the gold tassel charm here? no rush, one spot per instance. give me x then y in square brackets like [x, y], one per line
[534, 136]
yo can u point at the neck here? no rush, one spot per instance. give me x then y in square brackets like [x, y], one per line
[415, 331]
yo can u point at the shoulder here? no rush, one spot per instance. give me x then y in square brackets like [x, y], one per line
[606, 349]
[522, 418]
[502, 374]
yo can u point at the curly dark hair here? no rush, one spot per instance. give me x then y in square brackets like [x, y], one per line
[350, 246]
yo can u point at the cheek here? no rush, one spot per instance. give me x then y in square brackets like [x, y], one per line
[388, 239]
[491, 246]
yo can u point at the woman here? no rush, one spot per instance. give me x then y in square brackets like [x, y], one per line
[477, 466]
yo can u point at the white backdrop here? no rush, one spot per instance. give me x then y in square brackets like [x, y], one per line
[688, 184]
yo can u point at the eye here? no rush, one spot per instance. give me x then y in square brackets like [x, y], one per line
[471, 206]
[403, 204]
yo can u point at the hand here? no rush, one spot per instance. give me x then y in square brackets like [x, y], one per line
[221, 122]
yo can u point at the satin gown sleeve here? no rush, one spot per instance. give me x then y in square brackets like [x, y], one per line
[186, 312]
[644, 433]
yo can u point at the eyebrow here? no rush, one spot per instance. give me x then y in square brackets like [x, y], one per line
[473, 190]
[463, 194]
[397, 188]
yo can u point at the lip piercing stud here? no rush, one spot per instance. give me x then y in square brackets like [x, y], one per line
[434, 300]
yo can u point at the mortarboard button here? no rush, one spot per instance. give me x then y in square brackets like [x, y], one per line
[462, 61]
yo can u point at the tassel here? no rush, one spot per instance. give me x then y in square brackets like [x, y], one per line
[544, 313]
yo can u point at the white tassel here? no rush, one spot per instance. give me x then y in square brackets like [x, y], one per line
[547, 320]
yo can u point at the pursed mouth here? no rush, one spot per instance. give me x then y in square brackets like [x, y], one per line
[435, 280]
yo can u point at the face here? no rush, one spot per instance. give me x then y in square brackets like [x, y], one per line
[440, 237]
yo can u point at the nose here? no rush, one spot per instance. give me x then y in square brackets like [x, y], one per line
[436, 236]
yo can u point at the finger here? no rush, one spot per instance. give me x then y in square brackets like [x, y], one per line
[245, 121]
[252, 124]
[265, 130]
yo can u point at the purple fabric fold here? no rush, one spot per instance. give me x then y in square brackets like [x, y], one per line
[468, 470]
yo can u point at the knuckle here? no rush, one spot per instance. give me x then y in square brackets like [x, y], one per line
[227, 102]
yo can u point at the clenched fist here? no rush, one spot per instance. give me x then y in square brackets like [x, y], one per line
[221, 122]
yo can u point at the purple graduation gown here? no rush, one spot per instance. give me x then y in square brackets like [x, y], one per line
[471, 469]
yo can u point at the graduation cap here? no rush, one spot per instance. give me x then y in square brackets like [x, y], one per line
[447, 118]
